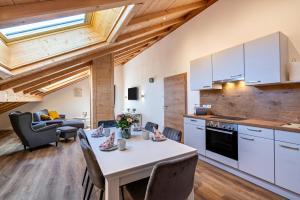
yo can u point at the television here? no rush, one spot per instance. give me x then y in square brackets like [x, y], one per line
[133, 93]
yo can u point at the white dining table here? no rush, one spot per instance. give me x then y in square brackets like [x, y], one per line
[134, 163]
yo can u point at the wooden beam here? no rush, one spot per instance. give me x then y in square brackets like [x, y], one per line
[52, 81]
[118, 55]
[128, 55]
[11, 106]
[71, 61]
[10, 96]
[150, 29]
[135, 45]
[160, 14]
[50, 77]
[66, 85]
[19, 14]
[127, 15]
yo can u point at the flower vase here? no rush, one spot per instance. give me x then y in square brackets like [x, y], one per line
[126, 133]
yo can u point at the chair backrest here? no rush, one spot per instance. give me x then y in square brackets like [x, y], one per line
[150, 125]
[172, 134]
[94, 170]
[108, 123]
[172, 180]
[21, 123]
[82, 135]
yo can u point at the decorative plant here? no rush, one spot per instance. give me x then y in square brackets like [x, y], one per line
[125, 121]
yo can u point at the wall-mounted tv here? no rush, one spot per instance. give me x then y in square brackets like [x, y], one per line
[133, 93]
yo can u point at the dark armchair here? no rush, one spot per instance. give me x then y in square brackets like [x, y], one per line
[32, 136]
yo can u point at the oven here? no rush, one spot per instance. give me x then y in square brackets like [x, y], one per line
[222, 139]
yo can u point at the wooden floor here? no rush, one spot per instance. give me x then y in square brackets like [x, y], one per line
[56, 173]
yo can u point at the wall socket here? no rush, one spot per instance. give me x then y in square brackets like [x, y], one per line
[206, 105]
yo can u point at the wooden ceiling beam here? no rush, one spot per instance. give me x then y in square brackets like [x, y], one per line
[11, 106]
[10, 96]
[128, 55]
[171, 11]
[55, 80]
[50, 77]
[150, 29]
[20, 14]
[71, 61]
[135, 45]
[118, 55]
[66, 85]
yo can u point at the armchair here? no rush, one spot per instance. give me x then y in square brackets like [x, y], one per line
[32, 136]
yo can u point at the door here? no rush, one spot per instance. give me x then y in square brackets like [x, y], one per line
[256, 156]
[195, 137]
[229, 64]
[175, 101]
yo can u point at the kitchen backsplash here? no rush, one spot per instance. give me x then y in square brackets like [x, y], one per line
[277, 102]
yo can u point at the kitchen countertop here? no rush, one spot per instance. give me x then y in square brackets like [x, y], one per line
[248, 122]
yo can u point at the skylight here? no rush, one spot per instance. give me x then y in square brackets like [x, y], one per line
[41, 27]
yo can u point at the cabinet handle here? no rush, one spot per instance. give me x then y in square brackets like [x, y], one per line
[206, 86]
[200, 128]
[193, 120]
[220, 131]
[249, 129]
[233, 76]
[287, 147]
[249, 139]
[253, 81]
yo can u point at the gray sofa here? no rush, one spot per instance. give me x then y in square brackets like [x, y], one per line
[32, 136]
[62, 121]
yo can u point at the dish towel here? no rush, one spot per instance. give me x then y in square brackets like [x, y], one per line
[158, 135]
[109, 142]
[98, 132]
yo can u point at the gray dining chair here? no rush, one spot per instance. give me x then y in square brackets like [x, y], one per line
[82, 136]
[169, 180]
[150, 125]
[172, 134]
[94, 171]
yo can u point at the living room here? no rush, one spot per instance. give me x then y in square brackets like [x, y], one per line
[140, 99]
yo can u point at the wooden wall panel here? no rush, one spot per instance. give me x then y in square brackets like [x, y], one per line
[278, 103]
[102, 92]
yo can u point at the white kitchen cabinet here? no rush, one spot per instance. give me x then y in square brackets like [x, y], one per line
[201, 74]
[229, 64]
[266, 60]
[287, 160]
[256, 156]
[194, 135]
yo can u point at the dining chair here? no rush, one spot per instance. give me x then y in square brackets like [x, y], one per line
[107, 123]
[82, 136]
[169, 180]
[94, 171]
[150, 125]
[172, 134]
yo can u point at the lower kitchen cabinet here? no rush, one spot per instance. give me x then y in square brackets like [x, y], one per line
[287, 161]
[256, 156]
[194, 136]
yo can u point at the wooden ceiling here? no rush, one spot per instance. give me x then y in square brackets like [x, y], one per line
[141, 24]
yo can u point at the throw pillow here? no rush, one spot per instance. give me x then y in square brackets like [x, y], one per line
[54, 115]
[45, 117]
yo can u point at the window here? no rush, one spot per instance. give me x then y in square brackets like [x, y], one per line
[41, 27]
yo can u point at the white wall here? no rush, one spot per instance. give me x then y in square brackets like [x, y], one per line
[119, 92]
[224, 24]
[62, 101]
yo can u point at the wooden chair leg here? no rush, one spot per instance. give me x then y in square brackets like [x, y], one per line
[91, 188]
[122, 192]
[85, 172]
[24, 147]
[86, 187]
[101, 194]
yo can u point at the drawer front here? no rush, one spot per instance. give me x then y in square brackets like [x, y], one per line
[256, 156]
[194, 121]
[257, 132]
[286, 136]
[287, 166]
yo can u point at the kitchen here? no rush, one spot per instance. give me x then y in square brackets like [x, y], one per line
[247, 121]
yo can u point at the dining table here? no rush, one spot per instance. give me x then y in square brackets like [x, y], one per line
[136, 161]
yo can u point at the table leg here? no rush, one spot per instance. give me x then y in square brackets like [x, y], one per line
[191, 196]
[112, 191]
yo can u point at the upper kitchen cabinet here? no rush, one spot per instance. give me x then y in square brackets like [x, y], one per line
[228, 64]
[266, 60]
[201, 74]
